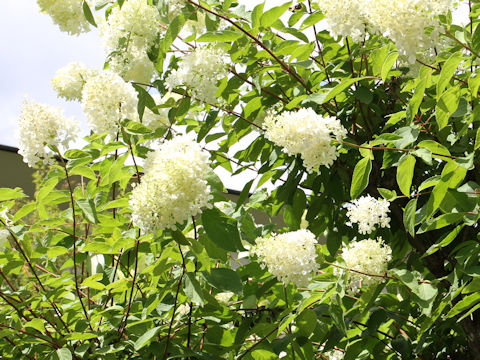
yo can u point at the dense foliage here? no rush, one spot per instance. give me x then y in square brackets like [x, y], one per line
[361, 116]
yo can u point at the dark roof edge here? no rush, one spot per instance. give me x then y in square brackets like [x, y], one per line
[8, 148]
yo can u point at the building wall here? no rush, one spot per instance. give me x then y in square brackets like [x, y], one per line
[14, 172]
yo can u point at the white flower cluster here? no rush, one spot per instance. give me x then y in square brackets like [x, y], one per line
[344, 17]
[291, 256]
[175, 7]
[4, 234]
[67, 14]
[128, 33]
[108, 99]
[334, 355]
[367, 212]
[368, 257]
[68, 81]
[174, 186]
[224, 297]
[200, 71]
[306, 133]
[405, 22]
[42, 125]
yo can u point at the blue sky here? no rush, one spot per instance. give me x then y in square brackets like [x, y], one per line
[34, 48]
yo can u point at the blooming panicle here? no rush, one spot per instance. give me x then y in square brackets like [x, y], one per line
[67, 14]
[128, 33]
[224, 297]
[174, 186]
[200, 71]
[175, 7]
[68, 81]
[291, 256]
[306, 133]
[405, 22]
[40, 126]
[132, 65]
[411, 24]
[367, 257]
[108, 99]
[368, 212]
[4, 234]
[136, 22]
[344, 17]
[334, 355]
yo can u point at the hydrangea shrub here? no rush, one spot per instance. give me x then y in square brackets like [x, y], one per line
[354, 125]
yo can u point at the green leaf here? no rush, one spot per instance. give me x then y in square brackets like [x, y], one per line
[88, 14]
[409, 216]
[80, 336]
[64, 354]
[437, 195]
[406, 277]
[306, 322]
[476, 39]
[9, 194]
[272, 15]
[336, 313]
[438, 150]
[75, 154]
[405, 174]
[445, 241]
[474, 82]
[417, 97]
[85, 171]
[37, 324]
[256, 15]
[441, 221]
[224, 36]
[222, 229]
[387, 194]
[446, 106]
[24, 211]
[225, 280]
[388, 64]
[55, 251]
[193, 290]
[360, 177]
[47, 188]
[464, 304]
[88, 210]
[477, 139]
[448, 69]
[345, 84]
[136, 128]
[146, 337]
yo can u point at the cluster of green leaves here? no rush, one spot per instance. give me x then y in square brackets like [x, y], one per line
[80, 282]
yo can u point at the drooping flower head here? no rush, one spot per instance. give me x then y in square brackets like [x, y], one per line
[306, 133]
[39, 126]
[368, 257]
[291, 256]
[174, 186]
[200, 71]
[68, 81]
[4, 234]
[67, 14]
[106, 100]
[128, 33]
[411, 24]
[368, 212]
